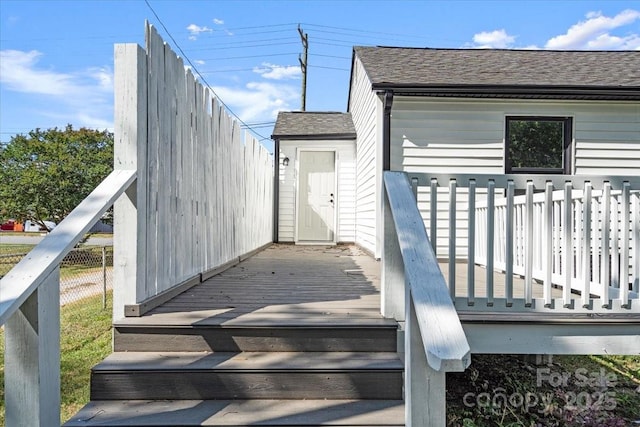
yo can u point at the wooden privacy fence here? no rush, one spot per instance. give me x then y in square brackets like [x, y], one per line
[579, 233]
[203, 196]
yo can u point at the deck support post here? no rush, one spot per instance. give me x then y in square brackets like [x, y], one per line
[392, 291]
[425, 388]
[32, 358]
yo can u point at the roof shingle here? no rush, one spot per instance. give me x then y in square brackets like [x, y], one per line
[314, 125]
[415, 67]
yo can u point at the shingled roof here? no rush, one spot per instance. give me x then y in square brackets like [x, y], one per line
[587, 73]
[314, 125]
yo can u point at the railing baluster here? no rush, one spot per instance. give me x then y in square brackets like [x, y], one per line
[606, 241]
[509, 244]
[452, 238]
[615, 243]
[548, 242]
[586, 240]
[528, 276]
[624, 253]
[471, 279]
[567, 252]
[433, 213]
[636, 244]
[577, 221]
[491, 185]
[557, 237]
[414, 187]
[595, 241]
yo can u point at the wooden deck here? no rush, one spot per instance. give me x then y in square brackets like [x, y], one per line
[285, 284]
[288, 285]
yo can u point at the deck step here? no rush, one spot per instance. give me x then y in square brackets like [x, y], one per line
[378, 413]
[376, 336]
[247, 375]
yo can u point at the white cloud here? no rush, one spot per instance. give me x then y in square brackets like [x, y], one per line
[278, 72]
[593, 33]
[218, 21]
[259, 101]
[498, 39]
[83, 98]
[199, 62]
[196, 30]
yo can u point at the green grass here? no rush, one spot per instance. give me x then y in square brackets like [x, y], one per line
[9, 249]
[85, 339]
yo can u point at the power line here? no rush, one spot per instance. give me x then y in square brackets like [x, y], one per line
[244, 44]
[328, 68]
[247, 57]
[200, 75]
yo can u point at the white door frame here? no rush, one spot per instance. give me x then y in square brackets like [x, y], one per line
[335, 193]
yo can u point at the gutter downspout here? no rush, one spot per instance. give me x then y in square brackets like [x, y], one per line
[276, 188]
[386, 130]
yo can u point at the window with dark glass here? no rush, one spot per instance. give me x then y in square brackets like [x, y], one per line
[538, 145]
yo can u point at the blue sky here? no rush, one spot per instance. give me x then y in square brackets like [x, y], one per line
[56, 63]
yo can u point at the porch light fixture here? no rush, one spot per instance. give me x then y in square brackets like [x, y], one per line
[285, 162]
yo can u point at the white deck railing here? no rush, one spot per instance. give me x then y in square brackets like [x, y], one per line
[414, 292]
[30, 311]
[578, 233]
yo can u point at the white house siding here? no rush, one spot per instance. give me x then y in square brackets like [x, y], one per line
[607, 139]
[467, 136]
[346, 186]
[365, 109]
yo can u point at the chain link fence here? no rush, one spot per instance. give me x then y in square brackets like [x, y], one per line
[84, 272]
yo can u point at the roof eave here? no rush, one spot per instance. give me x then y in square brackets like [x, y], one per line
[511, 91]
[333, 136]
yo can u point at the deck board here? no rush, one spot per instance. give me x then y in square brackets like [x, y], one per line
[283, 285]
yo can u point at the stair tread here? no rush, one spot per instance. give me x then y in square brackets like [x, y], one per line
[264, 318]
[248, 361]
[240, 412]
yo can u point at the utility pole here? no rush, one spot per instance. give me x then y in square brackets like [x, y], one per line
[303, 65]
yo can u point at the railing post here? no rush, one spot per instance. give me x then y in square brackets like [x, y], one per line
[104, 277]
[130, 152]
[425, 388]
[392, 292]
[32, 358]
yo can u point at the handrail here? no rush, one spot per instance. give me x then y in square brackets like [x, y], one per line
[434, 342]
[30, 311]
[24, 278]
[444, 340]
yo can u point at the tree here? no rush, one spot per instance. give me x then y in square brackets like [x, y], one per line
[44, 175]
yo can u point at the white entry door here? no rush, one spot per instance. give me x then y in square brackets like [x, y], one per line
[316, 201]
